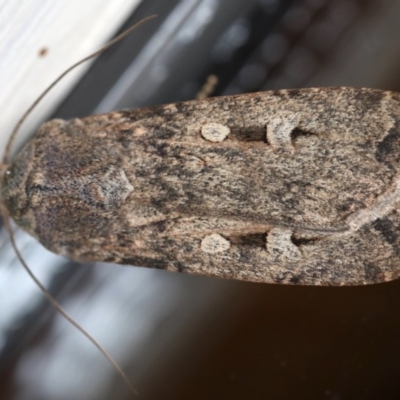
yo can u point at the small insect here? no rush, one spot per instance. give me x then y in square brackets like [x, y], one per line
[293, 187]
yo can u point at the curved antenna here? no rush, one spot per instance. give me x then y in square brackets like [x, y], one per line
[5, 214]
[7, 150]
[59, 308]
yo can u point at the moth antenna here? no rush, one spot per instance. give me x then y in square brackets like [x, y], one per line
[5, 214]
[14, 132]
[59, 308]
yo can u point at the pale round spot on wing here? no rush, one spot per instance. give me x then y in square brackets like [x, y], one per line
[214, 243]
[215, 132]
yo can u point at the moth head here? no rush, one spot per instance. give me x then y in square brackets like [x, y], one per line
[13, 189]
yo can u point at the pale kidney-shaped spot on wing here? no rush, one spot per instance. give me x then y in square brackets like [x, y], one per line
[279, 132]
[214, 243]
[280, 246]
[215, 132]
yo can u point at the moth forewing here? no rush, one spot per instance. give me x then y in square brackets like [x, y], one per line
[292, 186]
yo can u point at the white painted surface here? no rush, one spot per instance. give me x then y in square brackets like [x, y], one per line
[69, 30]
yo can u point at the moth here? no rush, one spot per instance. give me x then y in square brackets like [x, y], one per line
[293, 187]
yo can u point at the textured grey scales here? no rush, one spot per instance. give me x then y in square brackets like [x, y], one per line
[292, 186]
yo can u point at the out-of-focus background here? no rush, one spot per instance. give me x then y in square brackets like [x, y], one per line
[188, 337]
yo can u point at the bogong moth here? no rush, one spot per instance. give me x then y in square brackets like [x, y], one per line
[294, 186]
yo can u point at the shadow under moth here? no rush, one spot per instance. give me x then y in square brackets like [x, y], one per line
[293, 186]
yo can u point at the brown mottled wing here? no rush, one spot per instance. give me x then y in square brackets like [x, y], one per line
[295, 186]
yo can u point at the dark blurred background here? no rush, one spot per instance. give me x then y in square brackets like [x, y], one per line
[187, 337]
